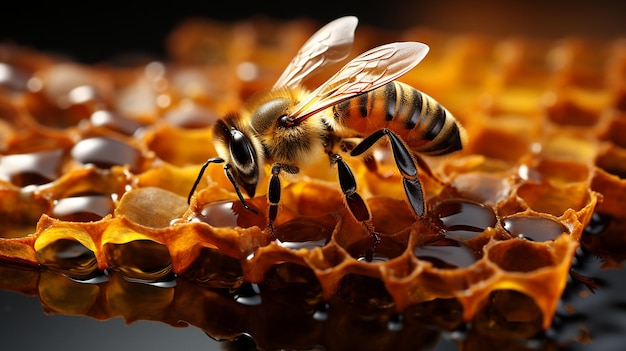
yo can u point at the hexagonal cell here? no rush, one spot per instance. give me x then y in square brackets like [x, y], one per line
[611, 158]
[534, 228]
[566, 110]
[446, 254]
[554, 200]
[139, 259]
[66, 248]
[104, 152]
[31, 168]
[520, 255]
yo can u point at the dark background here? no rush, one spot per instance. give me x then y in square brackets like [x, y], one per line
[94, 31]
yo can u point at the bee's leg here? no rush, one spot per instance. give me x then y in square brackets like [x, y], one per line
[273, 197]
[199, 177]
[404, 162]
[273, 192]
[355, 202]
[228, 175]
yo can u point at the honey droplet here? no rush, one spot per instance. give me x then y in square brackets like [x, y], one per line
[83, 208]
[248, 294]
[13, 78]
[446, 253]
[598, 224]
[115, 122]
[321, 311]
[462, 219]
[533, 228]
[105, 153]
[303, 233]
[386, 249]
[31, 169]
[395, 323]
[229, 214]
[191, 116]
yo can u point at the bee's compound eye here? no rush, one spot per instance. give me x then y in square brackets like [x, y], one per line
[241, 150]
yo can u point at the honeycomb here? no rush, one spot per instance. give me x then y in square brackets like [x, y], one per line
[97, 162]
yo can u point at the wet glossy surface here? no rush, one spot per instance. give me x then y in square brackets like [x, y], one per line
[31, 169]
[83, 208]
[115, 122]
[70, 257]
[446, 253]
[464, 220]
[229, 214]
[581, 313]
[533, 228]
[105, 153]
[19, 313]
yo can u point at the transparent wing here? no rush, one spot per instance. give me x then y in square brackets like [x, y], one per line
[368, 71]
[330, 44]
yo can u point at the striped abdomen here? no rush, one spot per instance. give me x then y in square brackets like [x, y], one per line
[424, 125]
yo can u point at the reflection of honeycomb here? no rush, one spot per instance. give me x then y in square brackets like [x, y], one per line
[108, 153]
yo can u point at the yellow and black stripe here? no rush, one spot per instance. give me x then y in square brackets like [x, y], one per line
[423, 123]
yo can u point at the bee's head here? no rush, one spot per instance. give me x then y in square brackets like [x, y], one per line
[235, 146]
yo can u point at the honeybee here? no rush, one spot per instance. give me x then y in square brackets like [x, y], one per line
[289, 125]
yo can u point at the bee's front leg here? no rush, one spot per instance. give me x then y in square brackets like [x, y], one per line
[404, 162]
[274, 190]
[354, 201]
[200, 174]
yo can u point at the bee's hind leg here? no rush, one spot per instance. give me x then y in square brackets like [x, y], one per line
[404, 162]
[354, 201]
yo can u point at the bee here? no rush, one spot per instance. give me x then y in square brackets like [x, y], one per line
[288, 125]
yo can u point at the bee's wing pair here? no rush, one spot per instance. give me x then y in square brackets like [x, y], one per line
[368, 71]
